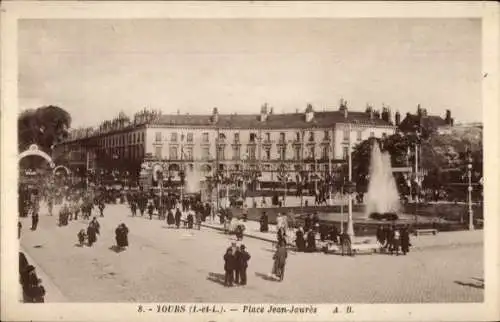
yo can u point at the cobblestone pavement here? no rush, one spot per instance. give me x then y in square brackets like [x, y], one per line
[169, 265]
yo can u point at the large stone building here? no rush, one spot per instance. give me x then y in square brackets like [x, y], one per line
[266, 143]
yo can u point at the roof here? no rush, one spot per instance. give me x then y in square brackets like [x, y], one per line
[430, 121]
[290, 120]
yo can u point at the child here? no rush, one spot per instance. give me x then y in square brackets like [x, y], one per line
[81, 237]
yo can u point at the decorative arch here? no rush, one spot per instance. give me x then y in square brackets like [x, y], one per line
[68, 171]
[33, 150]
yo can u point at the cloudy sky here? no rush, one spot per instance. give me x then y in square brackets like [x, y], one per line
[96, 68]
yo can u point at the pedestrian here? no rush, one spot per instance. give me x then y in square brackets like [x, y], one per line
[198, 219]
[170, 218]
[311, 241]
[178, 216]
[190, 219]
[299, 239]
[242, 264]
[396, 242]
[121, 233]
[279, 258]
[264, 223]
[50, 205]
[133, 208]
[229, 264]
[93, 230]
[405, 240]
[19, 228]
[151, 209]
[240, 228]
[81, 237]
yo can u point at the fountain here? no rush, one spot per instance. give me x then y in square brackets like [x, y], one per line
[382, 198]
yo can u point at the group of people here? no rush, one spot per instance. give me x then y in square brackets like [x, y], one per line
[394, 239]
[235, 265]
[93, 229]
[33, 290]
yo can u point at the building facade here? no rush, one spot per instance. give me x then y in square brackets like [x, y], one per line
[268, 144]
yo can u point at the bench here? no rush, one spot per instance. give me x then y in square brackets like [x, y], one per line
[428, 231]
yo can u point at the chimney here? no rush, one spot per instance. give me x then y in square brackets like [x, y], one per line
[263, 112]
[397, 117]
[309, 113]
[215, 115]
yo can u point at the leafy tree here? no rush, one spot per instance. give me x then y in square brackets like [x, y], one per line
[44, 126]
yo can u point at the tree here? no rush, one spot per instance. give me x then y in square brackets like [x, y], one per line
[44, 126]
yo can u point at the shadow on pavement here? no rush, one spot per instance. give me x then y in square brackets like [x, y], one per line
[79, 245]
[116, 249]
[216, 278]
[266, 277]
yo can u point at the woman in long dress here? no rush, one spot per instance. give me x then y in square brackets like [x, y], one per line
[280, 260]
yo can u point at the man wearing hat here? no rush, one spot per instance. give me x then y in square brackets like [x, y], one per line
[242, 258]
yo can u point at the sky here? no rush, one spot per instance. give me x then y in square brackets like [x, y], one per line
[96, 68]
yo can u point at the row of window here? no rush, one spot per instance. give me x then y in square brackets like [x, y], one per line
[122, 139]
[186, 153]
[253, 136]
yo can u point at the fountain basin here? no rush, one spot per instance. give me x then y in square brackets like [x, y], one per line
[389, 216]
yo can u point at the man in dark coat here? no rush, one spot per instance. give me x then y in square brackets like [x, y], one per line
[311, 241]
[34, 219]
[264, 223]
[229, 265]
[299, 240]
[242, 258]
[151, 209]
[405, 240]
[92, 231]
[380, 235]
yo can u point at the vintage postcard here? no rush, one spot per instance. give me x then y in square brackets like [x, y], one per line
[233, 161]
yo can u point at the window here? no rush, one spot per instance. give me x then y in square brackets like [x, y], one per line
[282, 152]
[326, 135]
[222, 136]
[252, 137]
[346, 134]
[189, 137]
[236, 152]
[345, 152]
[158, 152]
[142, 136]
[236, 137]
[311, 136]
[268, 136]
[297, 154]
[297, 134]
[372, 134]
[205, 137]
[282, 137]
[251, 152]
[188, 153]
[312, 167]
[173, 137]
[311, 152]
[220, 153]
[205, 153]
[324, 152]
[173, 153]
[267, 154]
[158, 136]
[359, 135]
[384, 135]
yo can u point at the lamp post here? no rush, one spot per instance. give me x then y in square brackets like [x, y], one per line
[469, 190]
[350, 224]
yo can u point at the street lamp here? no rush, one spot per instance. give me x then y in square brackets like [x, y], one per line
[350, 224]
[469, 189]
